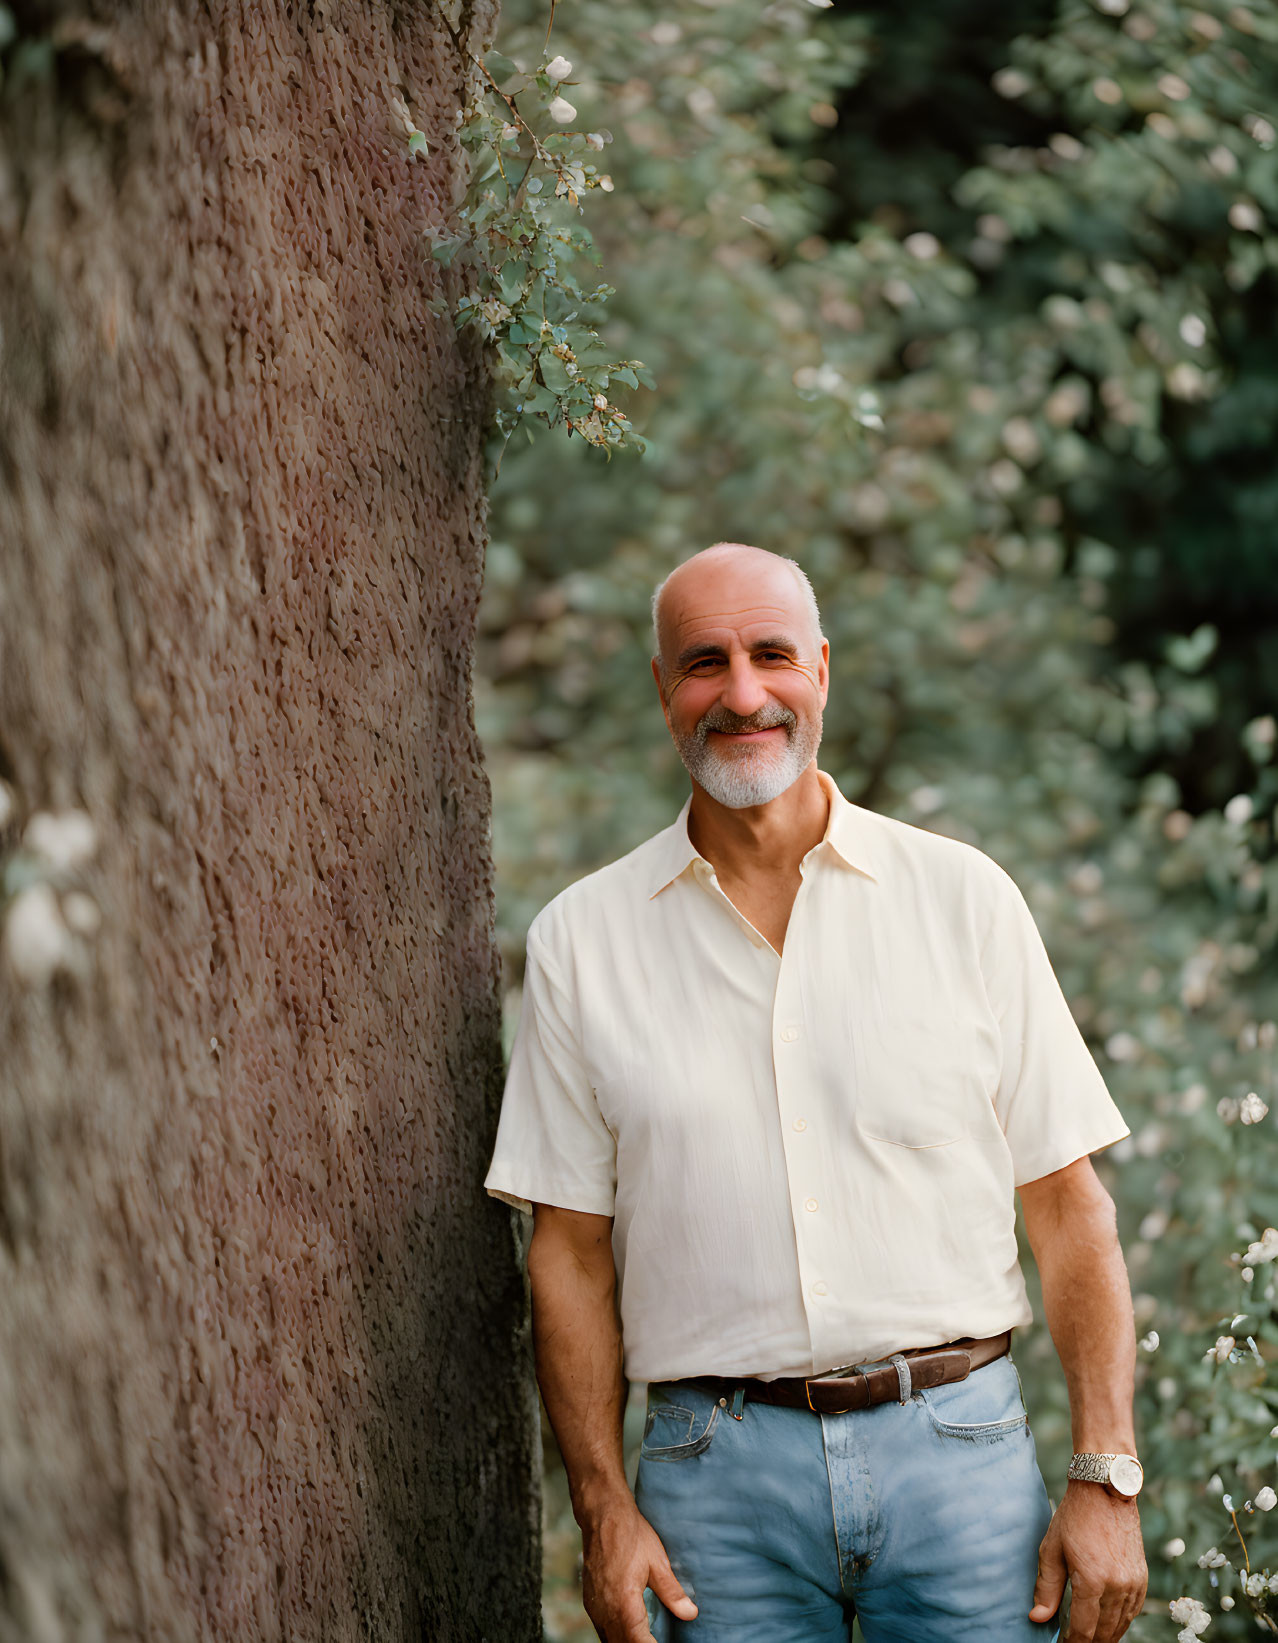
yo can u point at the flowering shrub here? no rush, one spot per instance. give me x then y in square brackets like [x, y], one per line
[524, 249]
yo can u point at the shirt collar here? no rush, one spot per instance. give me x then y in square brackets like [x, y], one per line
[847, 834]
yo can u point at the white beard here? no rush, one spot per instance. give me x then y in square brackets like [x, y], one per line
[746, 775]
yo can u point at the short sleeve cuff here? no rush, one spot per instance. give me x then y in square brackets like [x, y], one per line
[522, 1194]
[1048, 1160]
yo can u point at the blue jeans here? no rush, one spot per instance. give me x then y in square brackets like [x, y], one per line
[922, 1519]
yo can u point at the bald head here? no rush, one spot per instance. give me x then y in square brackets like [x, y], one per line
[739, 575]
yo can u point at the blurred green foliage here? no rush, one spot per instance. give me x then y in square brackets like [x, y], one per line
[968, 308]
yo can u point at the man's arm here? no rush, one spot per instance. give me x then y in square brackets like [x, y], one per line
[577, 1342]
[1094, 1538]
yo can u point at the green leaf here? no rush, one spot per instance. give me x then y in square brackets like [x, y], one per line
[445, 251]
[554, 375]
[511, 279]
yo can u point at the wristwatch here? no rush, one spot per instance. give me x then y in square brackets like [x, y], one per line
[1122, 1475]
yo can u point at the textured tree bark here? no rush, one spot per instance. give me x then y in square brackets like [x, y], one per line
[264, 1363]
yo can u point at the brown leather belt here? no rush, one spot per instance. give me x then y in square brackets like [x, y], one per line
[879, 1381]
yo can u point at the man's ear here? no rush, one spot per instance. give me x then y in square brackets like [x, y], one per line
[823, 673]
[661, 690]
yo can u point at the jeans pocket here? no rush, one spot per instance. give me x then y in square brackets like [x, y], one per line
[988, 1405]
[676, 1430]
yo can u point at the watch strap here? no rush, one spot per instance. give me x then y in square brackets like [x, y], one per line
[1089, 1468]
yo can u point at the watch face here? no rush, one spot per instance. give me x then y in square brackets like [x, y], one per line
[1125, 1474]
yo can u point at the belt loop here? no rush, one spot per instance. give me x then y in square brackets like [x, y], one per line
[738, 1398]
[903, 1375]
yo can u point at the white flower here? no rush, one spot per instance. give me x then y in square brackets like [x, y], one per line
[1004, 476]
[1266, 1499]
[1257, 127]
[594, 139]
[1226, 1603]
[1192, 1614]
[1264, 1249]
[1174, 1548]
[1239, 809]
[562, 111]
[1150, 1344]
[558, 68]
[1010, 82]
[36, 939]
[1020, 440]
[66, 839]
[922, 245]
[1254, 1584]
[1212, 1558]
[1223, 1347]
[1193, 330]
[1253, 1108]
[82, 913]
[1171, 85]
[1244, 215]
[1186, 381]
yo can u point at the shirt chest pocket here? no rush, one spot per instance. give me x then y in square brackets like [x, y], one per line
[922, 1079]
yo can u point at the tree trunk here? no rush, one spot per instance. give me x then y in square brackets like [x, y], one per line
[264, 1361]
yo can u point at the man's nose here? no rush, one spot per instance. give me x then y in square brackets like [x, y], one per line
[743, 691]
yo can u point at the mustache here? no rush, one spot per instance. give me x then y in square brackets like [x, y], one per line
[766, 718]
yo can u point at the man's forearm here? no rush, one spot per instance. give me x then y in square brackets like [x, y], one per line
[1088, 1304]
[577, 1343]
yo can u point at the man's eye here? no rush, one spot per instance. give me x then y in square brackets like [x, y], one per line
[703, 661]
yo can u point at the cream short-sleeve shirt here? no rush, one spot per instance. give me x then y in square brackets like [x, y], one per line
[809, 1157]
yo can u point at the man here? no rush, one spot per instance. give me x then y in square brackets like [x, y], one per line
[777, 1075]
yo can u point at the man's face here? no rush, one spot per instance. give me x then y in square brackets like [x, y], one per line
[745, 677]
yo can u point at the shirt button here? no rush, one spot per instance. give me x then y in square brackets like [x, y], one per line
[800, 1123]
[810, 1203]
[818, 1289]
[789, 1034]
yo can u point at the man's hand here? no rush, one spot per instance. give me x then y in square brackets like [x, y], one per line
[621, 1554]
[1094, 1541]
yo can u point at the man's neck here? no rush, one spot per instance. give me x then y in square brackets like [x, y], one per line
[762, 840]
